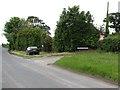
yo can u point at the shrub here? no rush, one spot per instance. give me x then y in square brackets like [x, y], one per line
[5, 45]
[111, 43]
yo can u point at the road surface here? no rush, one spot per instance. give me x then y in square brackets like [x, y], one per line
[18, 72]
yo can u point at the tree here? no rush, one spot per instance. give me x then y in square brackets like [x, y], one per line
[115, 21]
[28, 37]
[22, 33]
[75, 29]
[47, 43]
[12, 28]
[36, 22]
[13, 25]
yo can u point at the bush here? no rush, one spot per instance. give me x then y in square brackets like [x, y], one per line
[5, 45]
[111, 43]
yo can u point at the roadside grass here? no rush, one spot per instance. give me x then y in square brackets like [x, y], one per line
[22, 54]
[42, 54]
[100, 64]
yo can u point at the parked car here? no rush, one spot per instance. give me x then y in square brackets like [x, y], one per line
[32, 50]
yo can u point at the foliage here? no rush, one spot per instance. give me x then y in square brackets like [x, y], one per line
[111, 43]
[47, 42]
[13, 25]
[114, 19]
[95, 63]
[42, 54]
[5, 45]
[75, 29]
[22, 33]
[28, 37]
[35, 22]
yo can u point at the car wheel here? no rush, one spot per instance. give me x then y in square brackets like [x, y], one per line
[37, 53]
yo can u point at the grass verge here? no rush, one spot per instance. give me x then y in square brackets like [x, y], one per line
[23, 54]
[102, 64]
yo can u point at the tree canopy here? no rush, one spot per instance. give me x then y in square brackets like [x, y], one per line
[114, 20]
[13, 25]
[22, 33]
[75, 29]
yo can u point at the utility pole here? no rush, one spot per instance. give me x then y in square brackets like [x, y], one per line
[107, 20]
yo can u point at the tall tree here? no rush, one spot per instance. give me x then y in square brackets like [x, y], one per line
[74, 29]
[36, 22]
[12, 28]
[14, 25]
[115, 21]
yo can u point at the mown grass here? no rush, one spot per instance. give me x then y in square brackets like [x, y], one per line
[102, 64]
[42, 54]
[22, 54]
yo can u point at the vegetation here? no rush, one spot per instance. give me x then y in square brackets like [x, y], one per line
[110, 43]
[5, 45]
[114, 19]
[42, 54]
[100, 64]
[23, 54]
[22, 33]
[75, 29]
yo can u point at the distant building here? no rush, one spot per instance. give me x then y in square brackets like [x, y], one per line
[102, 36]
[119, 6]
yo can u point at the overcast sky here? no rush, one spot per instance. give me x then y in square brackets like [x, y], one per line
[50, 10]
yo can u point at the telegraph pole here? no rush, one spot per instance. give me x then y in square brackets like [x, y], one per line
[107, 20]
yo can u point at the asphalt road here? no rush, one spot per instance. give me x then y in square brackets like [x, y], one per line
[18, 72]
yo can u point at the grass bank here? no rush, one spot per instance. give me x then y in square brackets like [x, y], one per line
[42, 54]
[100, 64]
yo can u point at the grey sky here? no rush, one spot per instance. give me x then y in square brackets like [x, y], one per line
[50, 10]
[119, 6]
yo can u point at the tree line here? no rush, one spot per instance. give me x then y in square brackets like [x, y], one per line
[74, 29]
[22, 33]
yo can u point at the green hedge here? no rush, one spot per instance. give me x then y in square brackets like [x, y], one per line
[111, 43]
